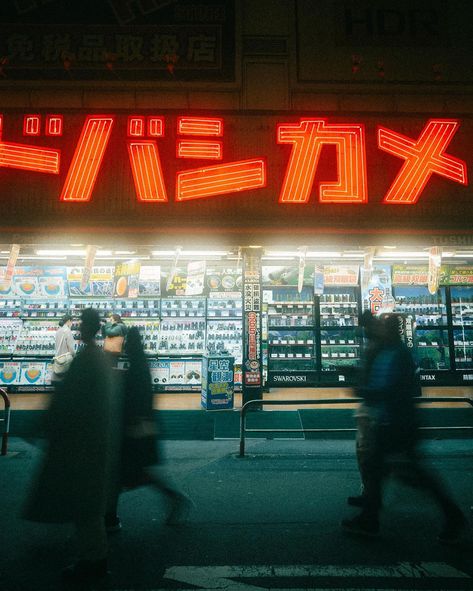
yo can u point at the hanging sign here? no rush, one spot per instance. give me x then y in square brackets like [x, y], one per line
[10, 268]
[342, 275]
[195, 278]
[435, 260]
[318, 280]
[252, 308]
[300, 279]
[458, 275]
[89, 263]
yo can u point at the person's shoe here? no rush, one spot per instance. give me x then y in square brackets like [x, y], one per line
[453, 530]
[361, 525]
[180, 505]
[85, 571]
[356, 501]
[112, 523]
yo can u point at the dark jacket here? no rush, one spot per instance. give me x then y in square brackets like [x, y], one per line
[139, 446]
[114, 329]
[81, 460]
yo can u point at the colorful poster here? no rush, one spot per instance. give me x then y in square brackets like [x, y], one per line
[252, 319]
[410, 275]
[176, 372]
[217, 383]
[457, 275]
[341, 275]
[195, 278]
[286, 275]
[227, 280]
[377, 296]
[32, 373]
[9, 372]
[6, 287]
[150, 281]
[193, 372]
[176, 285]
[126, 279]
[39, 282]
[100, 282]
[159, 372]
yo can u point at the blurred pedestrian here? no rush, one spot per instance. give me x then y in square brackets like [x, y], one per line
[391, 388]
[139, 449]
[64, 349]
[365, 413]
[77, 473]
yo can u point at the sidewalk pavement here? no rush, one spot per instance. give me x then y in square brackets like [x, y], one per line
[280, 505]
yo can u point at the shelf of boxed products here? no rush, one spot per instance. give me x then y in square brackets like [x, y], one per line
[432, 349]
[462, 313]
[291, 344]
[36, 338]
[182, 336]
[339, 349]
[45, 309]
[290, 315]
[10, 308]
[180, 307]
[10, 329]
[338, 309]
[225, 337]
[426, 309]
[463, 344]
[224, 308]
[149, 330]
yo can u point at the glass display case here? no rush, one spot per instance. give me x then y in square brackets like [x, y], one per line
[425, 308]
[339, 307]
[463, 345]
[432, 349]
[339, 348]
[462, 306]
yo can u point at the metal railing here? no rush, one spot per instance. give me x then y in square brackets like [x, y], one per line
[421, 399]
[6, 421]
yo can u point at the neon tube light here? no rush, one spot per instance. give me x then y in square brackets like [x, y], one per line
[423, 158]
[147, 172]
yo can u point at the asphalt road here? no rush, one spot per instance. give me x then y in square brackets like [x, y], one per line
[268, 521]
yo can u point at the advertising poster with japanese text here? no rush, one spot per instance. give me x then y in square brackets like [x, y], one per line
[100, 282]
[32, 373]
[341, 275]
[217, 383]
[150, 281]
[126, 279]
[9, 372]
[226, 280]
[39, 282]
[377, 296]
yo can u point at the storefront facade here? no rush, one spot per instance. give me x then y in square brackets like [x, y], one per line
[240, 221]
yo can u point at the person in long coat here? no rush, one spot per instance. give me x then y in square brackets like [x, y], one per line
[79, 468]
[140, 440]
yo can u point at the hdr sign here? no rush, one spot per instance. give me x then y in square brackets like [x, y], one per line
[200, 138]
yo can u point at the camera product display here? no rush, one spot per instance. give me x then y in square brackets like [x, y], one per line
[432, 349]
[462, 306]
[9, 332]
[10, 308]
[44, 308]
[37, 337]
[339, 308]
[427, 309]
[339, 348]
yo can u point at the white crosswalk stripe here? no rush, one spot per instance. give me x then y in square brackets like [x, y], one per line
[434, 575]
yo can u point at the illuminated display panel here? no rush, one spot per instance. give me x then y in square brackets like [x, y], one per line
[200, 126]
[29, 158]
[87, 158]
[199, 149]
[423, 158]
[156, 126]
[32, 125]
[54, 125]
[146, 170]
[307, 139]
[136, 126]
[221, 179]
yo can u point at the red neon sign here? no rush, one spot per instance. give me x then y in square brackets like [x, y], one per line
[307, 139]
[146, 170]
[423, 158]
[220, 179]
[87, 159]
[24, 157]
